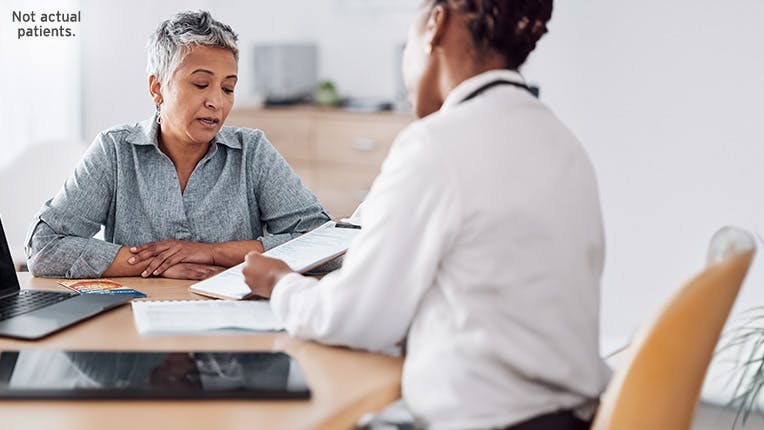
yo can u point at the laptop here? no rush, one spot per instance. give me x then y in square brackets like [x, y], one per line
[33, 314]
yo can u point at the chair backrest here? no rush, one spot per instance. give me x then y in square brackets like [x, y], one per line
[33, 177]
[659, 383]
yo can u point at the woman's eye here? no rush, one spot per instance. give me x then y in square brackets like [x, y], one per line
[200, 86]
[228, 90]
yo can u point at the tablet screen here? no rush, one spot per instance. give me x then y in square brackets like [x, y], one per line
[48, 374]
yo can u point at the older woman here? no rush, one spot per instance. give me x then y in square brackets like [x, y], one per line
[482, 245]
[180, 195]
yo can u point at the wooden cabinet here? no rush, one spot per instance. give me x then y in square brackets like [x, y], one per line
[336, 153]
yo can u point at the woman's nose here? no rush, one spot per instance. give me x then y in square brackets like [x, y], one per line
[212, 101]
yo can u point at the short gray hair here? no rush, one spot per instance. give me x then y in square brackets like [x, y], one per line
[175, 37]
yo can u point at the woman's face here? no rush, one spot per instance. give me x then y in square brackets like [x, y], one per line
[197, 97]
[419, 68]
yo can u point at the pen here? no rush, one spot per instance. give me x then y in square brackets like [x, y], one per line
[341, 224]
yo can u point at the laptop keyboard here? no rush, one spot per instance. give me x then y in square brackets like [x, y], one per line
[27, 301]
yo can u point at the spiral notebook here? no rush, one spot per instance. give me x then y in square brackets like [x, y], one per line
[203, 316]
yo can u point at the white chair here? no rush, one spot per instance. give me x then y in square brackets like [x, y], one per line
[30, 180]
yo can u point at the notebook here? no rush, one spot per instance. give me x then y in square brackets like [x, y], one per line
[303, 253]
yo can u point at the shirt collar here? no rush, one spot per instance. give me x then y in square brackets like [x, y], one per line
[147, 131]
[471, 84]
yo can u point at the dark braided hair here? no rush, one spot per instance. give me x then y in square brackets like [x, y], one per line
[509, 27]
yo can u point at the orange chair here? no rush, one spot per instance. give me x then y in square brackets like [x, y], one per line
[658, 384]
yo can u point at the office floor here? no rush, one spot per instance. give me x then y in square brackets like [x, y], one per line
[710, 417]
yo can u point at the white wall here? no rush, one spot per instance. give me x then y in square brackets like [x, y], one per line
[39, 81]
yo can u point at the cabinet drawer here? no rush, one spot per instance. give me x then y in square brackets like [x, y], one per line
[343, 188]
[289, 134]
[355, 141]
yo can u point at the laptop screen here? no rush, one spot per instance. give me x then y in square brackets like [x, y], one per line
[8, 279]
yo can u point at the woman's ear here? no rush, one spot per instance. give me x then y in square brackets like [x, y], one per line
[435, 27]
[155, 89]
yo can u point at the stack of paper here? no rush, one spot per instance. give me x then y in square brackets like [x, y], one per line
[199, 316]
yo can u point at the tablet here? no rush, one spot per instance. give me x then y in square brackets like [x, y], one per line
[57, 374]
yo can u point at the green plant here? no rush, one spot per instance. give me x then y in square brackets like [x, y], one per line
[326, 94]
[747, 340]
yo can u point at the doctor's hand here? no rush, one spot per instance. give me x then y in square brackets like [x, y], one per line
[262, 273]
[167, 253]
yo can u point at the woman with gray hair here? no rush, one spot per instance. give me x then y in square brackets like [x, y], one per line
[179, 194]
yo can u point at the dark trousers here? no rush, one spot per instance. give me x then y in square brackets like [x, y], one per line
[560, 420]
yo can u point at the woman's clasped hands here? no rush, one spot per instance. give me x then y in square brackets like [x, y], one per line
[178, 259]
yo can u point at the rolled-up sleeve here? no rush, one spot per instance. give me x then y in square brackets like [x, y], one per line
[60, 242]
[287, 207]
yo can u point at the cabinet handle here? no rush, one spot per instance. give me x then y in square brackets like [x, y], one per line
[364, 144]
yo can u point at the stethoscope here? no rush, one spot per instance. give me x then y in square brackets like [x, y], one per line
[495, 83]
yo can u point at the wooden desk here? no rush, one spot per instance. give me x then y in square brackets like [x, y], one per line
[345, 383]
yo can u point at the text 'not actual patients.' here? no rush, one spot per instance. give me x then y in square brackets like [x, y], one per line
[20, 16]
[39, 30]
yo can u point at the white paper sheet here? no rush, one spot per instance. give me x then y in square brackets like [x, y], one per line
[315, 247]
[228, 284]
[200, 316]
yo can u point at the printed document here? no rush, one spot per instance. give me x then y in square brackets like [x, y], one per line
[301, 254]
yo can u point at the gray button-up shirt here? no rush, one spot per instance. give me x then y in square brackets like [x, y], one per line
[239, 189]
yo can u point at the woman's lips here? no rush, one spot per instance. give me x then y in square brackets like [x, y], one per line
[210, 123]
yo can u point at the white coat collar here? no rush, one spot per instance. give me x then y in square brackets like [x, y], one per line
[469, 85]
